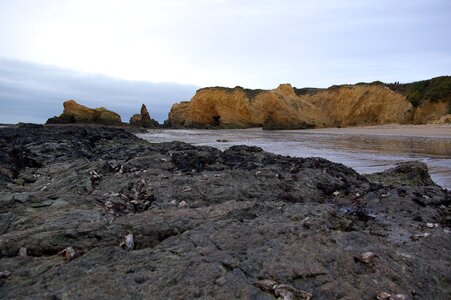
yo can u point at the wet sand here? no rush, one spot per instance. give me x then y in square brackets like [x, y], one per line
[366, 149]
[430, 130]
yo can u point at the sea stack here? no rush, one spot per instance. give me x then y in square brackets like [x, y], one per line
[143, 119]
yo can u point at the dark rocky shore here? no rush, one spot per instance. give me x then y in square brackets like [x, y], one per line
[96, 213]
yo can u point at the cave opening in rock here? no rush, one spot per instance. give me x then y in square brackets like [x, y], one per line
[216, 120]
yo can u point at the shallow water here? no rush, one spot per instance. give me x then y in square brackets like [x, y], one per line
[364, 152]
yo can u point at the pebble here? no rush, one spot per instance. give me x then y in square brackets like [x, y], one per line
[183, 204]
[336, 193]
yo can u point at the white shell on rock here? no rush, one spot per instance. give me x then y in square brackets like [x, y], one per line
[5, 274]
[432, 225]
[367, 257]
[284, 291]
[69, 253]
[381, 295]
[399, 297]
[420, 235]
[128, 242]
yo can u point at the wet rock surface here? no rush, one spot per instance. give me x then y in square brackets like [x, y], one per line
[95, 212]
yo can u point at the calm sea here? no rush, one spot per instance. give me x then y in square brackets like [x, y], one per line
[366, 151]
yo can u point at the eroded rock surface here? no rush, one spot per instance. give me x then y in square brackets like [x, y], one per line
[433, 112]
[143, 119]
[77, 113]
[95, 212]
[285, 107]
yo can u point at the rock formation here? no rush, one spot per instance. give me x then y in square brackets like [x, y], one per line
[431, 112]
[77, 113]
[91, 212]
[290, 108]
[372, 104]
[143, 119]
[242, 108]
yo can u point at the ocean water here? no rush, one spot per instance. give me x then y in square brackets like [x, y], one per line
[366, 151]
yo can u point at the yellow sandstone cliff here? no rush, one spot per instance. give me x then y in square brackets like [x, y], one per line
[240, 108]
[372, 104]
[432, 112]
[288, 108]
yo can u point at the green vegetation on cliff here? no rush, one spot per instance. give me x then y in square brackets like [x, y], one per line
[438, 88]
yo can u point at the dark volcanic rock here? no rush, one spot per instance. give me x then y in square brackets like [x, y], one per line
[195, 222]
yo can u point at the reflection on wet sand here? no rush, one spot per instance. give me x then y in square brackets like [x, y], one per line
[366, 153]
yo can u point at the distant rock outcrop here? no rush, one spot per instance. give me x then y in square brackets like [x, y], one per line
[143, 119]
[77, 113]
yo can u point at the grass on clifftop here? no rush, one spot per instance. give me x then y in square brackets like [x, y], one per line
[438, 88]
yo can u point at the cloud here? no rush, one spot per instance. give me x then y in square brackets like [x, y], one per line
[32, 93]
[254, 43]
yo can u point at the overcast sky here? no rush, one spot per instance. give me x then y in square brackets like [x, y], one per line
[33, 93]
[253, 43]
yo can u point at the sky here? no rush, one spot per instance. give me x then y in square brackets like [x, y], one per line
[97, 51]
